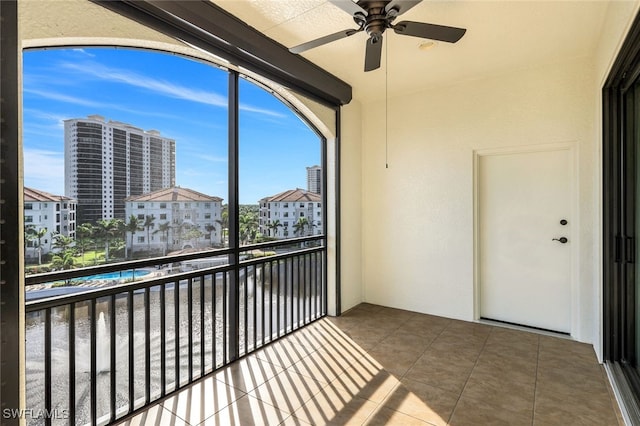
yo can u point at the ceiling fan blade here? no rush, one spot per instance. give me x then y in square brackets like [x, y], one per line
[430, 31]
[322, 40]
[373, 53]
[348, 6]
[401, 6]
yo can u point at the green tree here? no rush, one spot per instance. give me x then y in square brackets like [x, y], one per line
[63, 260]
[193, 233]
[107, 230]
[62, 243]
[149, 222]
[299, 227]
[164, 228]
[84, 233]
[37, 235]
[248, 225]
[210, 228]
[131, 227]
[29, 236]
[224, 222]
[178, 230]
[274, 225]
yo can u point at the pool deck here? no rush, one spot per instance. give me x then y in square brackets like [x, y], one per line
[99, 283]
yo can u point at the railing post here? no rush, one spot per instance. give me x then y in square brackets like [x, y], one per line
[233, 214]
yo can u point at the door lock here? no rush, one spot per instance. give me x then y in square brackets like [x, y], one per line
[562, 240]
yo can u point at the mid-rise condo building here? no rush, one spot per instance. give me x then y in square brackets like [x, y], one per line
[293, 213]
[46, 215]
[175, 218]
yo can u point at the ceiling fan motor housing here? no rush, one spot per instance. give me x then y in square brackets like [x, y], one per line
[377, 20]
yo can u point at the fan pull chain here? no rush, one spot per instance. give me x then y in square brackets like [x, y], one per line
[386, 104]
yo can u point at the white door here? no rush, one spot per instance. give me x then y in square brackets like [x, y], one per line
[524, 274]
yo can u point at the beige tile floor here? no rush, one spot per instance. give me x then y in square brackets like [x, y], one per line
[377, 365]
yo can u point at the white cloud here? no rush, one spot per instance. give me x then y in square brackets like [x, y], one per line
[149, 83]
[97, 106]
[84, 52]
[58, 119]
[212, 158]
[65, 98]
[160, 86]
[44, 170]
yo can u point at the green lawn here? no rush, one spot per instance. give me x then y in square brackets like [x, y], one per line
[90, 258]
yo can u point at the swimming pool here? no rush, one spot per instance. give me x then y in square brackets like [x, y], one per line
[119, 275]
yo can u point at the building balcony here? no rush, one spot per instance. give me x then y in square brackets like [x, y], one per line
[377, 365]
[107, 349]
[287, 362]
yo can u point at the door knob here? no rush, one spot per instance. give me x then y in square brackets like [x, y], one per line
[563, 240]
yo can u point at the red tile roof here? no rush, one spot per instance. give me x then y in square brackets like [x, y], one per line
[294, 195]
[31, 195]
[174, 194]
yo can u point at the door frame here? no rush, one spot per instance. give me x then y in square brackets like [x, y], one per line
[573, 235]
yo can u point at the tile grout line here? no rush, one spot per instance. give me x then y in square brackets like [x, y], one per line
[381, 403]
[291, 369]
[535, 387]
[425, 350]
[470, 373]
[175, 415]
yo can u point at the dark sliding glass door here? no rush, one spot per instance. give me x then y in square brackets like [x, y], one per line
[633, 268]
[621, 221]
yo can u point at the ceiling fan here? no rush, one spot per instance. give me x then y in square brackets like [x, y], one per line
[374, 17]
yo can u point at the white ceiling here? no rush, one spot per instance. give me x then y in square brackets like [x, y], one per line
[501, 36]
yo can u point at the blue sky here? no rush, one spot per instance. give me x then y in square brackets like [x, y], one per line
[182, 98]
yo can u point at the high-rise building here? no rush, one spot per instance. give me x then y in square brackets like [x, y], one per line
[314, 179]
[106, 162]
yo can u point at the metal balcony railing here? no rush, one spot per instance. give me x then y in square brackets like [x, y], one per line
[99, 355]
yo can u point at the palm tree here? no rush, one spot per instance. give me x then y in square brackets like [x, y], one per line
[193, 234]
[148, 224]
[210, 227]
[178, 230]
[106, 230]
[62, 243]
[132, 227]
[63, 260]
[224, 222]
[275, 225]
[29, 236]
[220, 223]
[248, 226]
[37, 236]
[164, 227]
[84, 233]
[300, 225]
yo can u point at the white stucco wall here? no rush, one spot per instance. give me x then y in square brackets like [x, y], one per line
[351, 205]
[418, 214]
